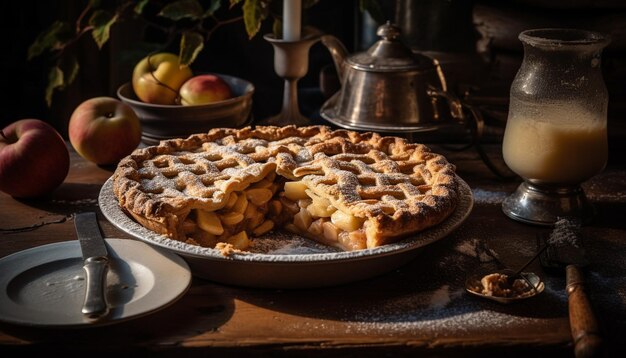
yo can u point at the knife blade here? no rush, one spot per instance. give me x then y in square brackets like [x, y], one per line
[96, 263]
[565, 252]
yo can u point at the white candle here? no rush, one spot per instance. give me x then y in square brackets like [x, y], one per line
[292, 15]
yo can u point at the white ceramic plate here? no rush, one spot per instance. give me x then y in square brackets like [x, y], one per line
[279, 260]
[45, 285]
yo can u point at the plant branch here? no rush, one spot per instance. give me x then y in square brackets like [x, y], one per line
[80, 30]
[82, 15]
[219, 23]
[62, 47]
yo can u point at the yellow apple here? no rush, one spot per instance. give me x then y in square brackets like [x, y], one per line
[203, 89]
[157, 78]
[103, 130]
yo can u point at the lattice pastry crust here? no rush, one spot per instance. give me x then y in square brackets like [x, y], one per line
[343, 188]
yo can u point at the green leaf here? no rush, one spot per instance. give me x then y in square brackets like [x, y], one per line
[102, 20]
[55, 80]
[69, 65]
[61, 76]
[181, 9]
[374, 9]
[213, 7]
[253, 14]
[191, 44]
[48, 39]
[141, 4]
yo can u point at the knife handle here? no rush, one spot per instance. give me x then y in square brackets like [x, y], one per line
[583, 323]
[95, 305]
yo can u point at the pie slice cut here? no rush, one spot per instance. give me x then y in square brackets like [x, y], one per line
[342, 188]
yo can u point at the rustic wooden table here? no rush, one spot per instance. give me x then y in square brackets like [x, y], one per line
[420, 308]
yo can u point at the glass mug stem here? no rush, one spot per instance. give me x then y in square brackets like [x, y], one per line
[542, 204]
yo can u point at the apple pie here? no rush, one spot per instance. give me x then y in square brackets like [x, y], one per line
[342, 188]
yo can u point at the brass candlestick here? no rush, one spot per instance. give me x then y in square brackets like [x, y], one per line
[291, 62]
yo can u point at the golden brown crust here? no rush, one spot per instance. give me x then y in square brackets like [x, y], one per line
[396, 186]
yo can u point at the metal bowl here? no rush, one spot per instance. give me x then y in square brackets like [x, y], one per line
[160, 122]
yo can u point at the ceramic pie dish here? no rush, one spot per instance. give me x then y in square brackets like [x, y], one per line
[281, 260]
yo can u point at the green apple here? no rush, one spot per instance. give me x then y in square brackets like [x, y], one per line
[203, 89]
[157, 78]
[103, 130]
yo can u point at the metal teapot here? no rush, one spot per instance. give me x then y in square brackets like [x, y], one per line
[388, 88]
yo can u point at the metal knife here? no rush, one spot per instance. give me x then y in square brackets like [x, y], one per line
[96, 264]
[565, 252]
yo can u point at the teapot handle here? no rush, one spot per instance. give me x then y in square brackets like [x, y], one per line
[475, 122]
[338, 53]
[456, 107]
[455, 104]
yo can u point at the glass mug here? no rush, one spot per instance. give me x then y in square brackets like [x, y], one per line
[555, 136]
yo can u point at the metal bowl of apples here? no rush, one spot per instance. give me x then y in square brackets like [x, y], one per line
[190, 113]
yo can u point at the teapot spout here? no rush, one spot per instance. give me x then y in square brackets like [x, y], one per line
[338, 52]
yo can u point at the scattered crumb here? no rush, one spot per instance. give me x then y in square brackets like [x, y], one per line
[226, 249]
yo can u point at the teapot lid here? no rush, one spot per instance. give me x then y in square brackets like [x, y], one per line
[389, 54]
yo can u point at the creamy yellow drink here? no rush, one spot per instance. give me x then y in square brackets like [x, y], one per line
[555, 143]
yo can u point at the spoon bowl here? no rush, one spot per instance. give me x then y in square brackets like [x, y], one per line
[474, 286]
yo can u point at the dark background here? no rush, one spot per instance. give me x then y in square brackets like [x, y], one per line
[476, 42]
[102, 71]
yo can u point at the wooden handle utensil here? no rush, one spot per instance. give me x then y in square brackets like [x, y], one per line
[583, 323]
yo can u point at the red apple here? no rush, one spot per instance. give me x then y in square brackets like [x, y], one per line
[34, 159]
[103, 130]
[158, 77]
[203, 89]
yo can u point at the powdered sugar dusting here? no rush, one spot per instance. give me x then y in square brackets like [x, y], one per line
[461, 320]
[285, 243]
[88, 201]
[608, 187]
[443, 296]
[443, 311]
[482, 196]
[565, 232]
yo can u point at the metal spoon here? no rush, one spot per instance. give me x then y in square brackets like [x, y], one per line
[474, 286]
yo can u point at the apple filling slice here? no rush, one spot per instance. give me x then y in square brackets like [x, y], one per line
[316, 218]
[245, 213]
[260, 208]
